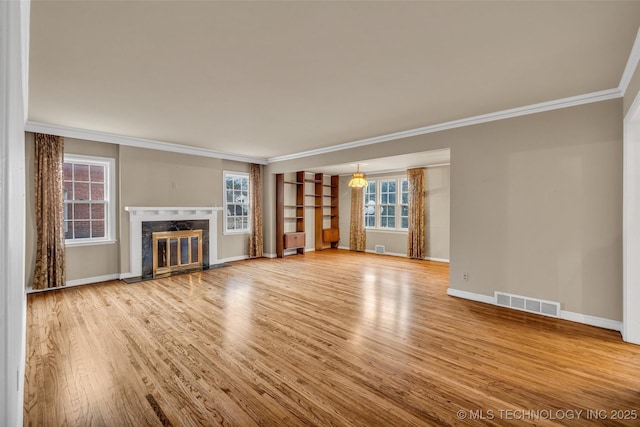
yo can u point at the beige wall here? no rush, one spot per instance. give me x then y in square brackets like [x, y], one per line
[160, 178]
[143, 178]
[395, 242]
[81, 261]
[536, 204]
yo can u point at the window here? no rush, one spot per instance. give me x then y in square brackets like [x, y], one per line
[404, 204]
[387, 204]
[89, 211]
[370, 205]
[236, 202]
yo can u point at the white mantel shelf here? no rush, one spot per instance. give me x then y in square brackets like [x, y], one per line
[140, 214]
[171, 211]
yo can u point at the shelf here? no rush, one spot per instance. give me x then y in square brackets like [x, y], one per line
[293, 182]
[294, 206]
[312, 195]
[293, 217]
[315, 181]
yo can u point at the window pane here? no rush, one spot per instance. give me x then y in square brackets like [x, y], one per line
[392, 186]
[97, 191]
[229, 183]
[67, 170]
[81, 229]
[97, 210]
[81, 211]
[68, 211]
[405, 211]
[236, 184]
[392, 222]
[392, 198]
[68, 230]
[97, 173]
[391, 210]
[80, 172]
[405, 222]
[81, 191]
[229, 196]
[68, 191]
[384, 198]
[97, 228]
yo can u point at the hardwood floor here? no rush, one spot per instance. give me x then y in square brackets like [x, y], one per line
[328, 338]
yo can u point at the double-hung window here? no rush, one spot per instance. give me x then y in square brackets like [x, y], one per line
[386, 204]
[236, 202]
[370, 205]
[89, 207]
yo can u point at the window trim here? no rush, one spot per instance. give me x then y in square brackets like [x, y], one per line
[225, 230]
[110, 189]
[398, 205]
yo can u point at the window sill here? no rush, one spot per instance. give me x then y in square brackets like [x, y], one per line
[386, 230]
[70, 244]
[235, 233]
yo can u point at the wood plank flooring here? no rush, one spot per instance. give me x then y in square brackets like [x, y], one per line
[330, 338]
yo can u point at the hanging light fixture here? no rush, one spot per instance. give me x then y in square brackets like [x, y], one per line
[358, 180]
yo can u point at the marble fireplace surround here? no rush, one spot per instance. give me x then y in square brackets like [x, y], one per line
[138, 215]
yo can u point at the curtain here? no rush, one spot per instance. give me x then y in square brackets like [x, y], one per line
[357, 236]
[417, 193]
[50, 260]
[255, 205]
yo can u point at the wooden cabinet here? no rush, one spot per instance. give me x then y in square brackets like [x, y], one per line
[294, 240]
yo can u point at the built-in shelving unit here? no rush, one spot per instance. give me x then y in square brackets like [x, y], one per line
[324, 201]
[290, 213]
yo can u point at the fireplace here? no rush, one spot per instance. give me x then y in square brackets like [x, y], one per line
[176, 251]
[145, 221]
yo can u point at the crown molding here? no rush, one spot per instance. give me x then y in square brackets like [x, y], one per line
[113, 138]
[572, 101]
[632, 64]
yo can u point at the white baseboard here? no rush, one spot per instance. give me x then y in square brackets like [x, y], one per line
[234, 258]
[565, 315]
[370, 251]
[471, 296]
[126, 276]
[270, 255]
[79, 282]
[600, 322]
[436, 259]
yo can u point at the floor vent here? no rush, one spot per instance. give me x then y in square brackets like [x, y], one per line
[531, 305]
[379, 249]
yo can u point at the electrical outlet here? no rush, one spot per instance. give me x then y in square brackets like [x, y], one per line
[465, 277]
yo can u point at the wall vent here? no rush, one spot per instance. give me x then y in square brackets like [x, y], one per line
[380, 249]
[531, 305]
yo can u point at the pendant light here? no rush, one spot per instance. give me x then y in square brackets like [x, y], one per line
[358, 180]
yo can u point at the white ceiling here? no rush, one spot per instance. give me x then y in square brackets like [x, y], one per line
[269, 79]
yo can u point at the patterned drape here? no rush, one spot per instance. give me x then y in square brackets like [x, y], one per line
[50, 260]
[255, 205]
[357, 235]
[417, 193]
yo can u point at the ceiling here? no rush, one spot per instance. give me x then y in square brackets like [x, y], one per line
[270, 79]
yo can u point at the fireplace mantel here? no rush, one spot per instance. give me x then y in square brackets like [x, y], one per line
[140, 214]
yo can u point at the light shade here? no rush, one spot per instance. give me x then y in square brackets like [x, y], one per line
[358, 179]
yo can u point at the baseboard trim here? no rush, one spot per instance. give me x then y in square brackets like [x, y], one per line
[437, 259]
[371, 251]
[270, 255]
[600, 322]
[234, 258]
[78, 282]
[471, 296]
[564, 315]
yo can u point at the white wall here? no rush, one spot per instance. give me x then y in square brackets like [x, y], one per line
[14, 21]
